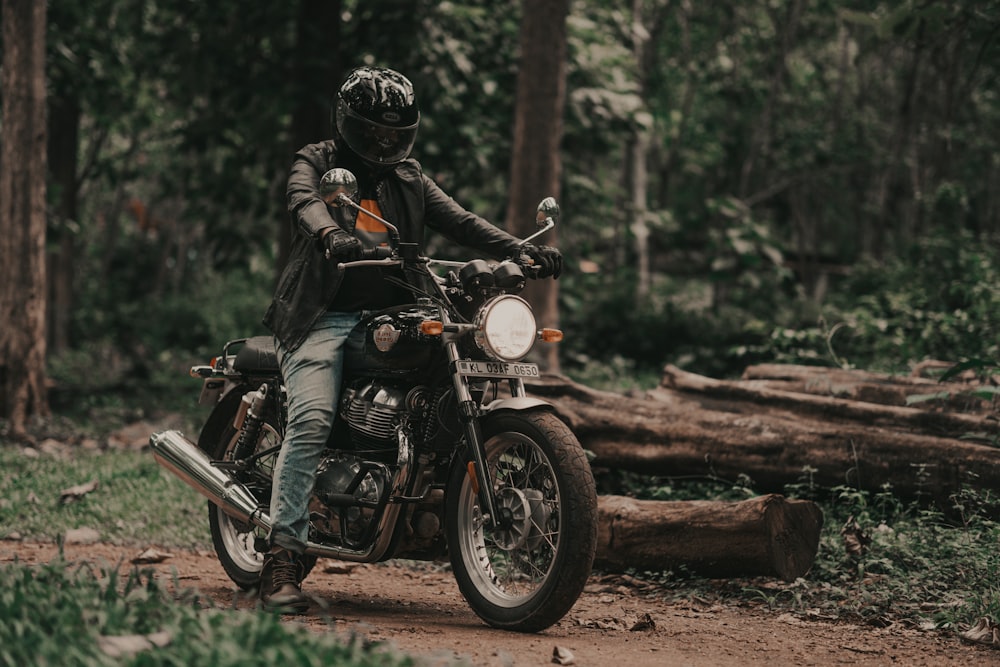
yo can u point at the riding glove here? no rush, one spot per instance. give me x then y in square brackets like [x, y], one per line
[341, 245]
[548, 260]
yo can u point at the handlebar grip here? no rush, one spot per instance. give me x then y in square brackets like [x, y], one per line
[527, 264]
[380, 252]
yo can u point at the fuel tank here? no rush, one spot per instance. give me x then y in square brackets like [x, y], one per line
[389, 344]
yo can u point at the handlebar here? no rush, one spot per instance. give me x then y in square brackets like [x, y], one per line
[380, 256]
[367, 255]
[380, 252]
[386, 256]
[527, 264]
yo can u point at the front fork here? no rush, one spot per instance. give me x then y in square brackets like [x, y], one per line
[469, 412]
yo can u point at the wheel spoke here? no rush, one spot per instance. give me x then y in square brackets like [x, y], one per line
[516, 560]
[514, 574]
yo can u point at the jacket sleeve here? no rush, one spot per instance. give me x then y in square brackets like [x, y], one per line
[445, 215]
[307, 208]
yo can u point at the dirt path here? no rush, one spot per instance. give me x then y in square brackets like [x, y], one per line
[420, 611]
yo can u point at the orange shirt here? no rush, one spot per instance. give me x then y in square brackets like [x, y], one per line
[371, 232]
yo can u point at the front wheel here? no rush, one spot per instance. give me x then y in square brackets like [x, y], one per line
[528, 571]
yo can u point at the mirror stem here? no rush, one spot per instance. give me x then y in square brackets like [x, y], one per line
[344, 200]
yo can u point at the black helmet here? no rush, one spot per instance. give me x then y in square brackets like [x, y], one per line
[377, 115]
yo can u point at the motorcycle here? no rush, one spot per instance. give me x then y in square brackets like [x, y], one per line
[436, 448]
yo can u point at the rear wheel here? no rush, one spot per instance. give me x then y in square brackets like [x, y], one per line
[236, 541]
[526, 573]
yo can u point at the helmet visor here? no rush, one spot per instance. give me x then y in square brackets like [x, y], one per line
[374, 142]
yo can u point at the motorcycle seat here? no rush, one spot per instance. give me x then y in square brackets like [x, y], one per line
[257, 357]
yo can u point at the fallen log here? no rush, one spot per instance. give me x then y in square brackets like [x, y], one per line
[693, 426]
[763, 536]
[909, 419]
[859, 385]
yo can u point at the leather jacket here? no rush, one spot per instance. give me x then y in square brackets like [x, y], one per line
[407, 198]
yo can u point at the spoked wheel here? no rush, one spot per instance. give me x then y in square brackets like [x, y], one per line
[527, 572]
[235, 541]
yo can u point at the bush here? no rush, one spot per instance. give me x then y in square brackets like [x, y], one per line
[939, 300]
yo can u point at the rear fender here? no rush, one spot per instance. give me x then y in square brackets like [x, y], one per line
[222, 417]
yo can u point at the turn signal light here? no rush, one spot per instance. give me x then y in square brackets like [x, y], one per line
[550, 335]
[431, 328]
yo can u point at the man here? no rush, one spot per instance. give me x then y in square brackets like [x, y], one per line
[316, 304]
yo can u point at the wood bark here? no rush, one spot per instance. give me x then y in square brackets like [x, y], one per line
[694, 426]
[538, 128]
[63, 142]
[317, 71]
[22, 214]
[763, 536]
[636, 176]
[858, 385]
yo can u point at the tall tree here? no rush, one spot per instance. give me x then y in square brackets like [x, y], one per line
[536, 163]
[316, 72]
[22, 215]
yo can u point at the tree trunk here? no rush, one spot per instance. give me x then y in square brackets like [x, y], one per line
[22, 214]
[763, 536]
[700, 427]
[636, 172]
[317, 71]
[538, 127]
[63, 140]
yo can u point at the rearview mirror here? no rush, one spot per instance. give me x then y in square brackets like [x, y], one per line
[548, 209]
[337, 183]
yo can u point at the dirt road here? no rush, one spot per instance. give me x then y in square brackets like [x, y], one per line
[616, 622]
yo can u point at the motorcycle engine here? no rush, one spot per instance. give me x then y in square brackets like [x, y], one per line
[338, 473]
[373, 412]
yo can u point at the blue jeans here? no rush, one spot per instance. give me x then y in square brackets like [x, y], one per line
[312, 373]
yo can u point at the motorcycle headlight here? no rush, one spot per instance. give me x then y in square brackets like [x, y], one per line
[505, 328]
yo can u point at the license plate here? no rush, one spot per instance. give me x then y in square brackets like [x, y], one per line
[497, 369]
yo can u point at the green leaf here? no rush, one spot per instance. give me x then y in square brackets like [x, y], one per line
[971, 364]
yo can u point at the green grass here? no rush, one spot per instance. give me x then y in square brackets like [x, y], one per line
[922, 566]
[62, 612]
[136, 501]
[65, 614]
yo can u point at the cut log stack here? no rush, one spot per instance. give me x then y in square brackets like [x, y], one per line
[778, 425]
[694, 426]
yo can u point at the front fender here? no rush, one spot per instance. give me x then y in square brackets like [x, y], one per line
[518, 403]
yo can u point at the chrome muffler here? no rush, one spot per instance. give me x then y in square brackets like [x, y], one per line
[176, 453]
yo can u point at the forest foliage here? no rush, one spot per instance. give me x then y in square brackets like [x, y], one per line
[765, 180]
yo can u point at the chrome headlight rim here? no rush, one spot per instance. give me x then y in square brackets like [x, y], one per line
[506, 328]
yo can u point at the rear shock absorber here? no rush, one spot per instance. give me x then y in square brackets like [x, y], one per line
[249, 419]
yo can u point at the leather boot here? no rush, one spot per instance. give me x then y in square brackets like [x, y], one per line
[281, 582]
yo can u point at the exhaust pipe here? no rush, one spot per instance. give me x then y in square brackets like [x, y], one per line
[176, 453]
